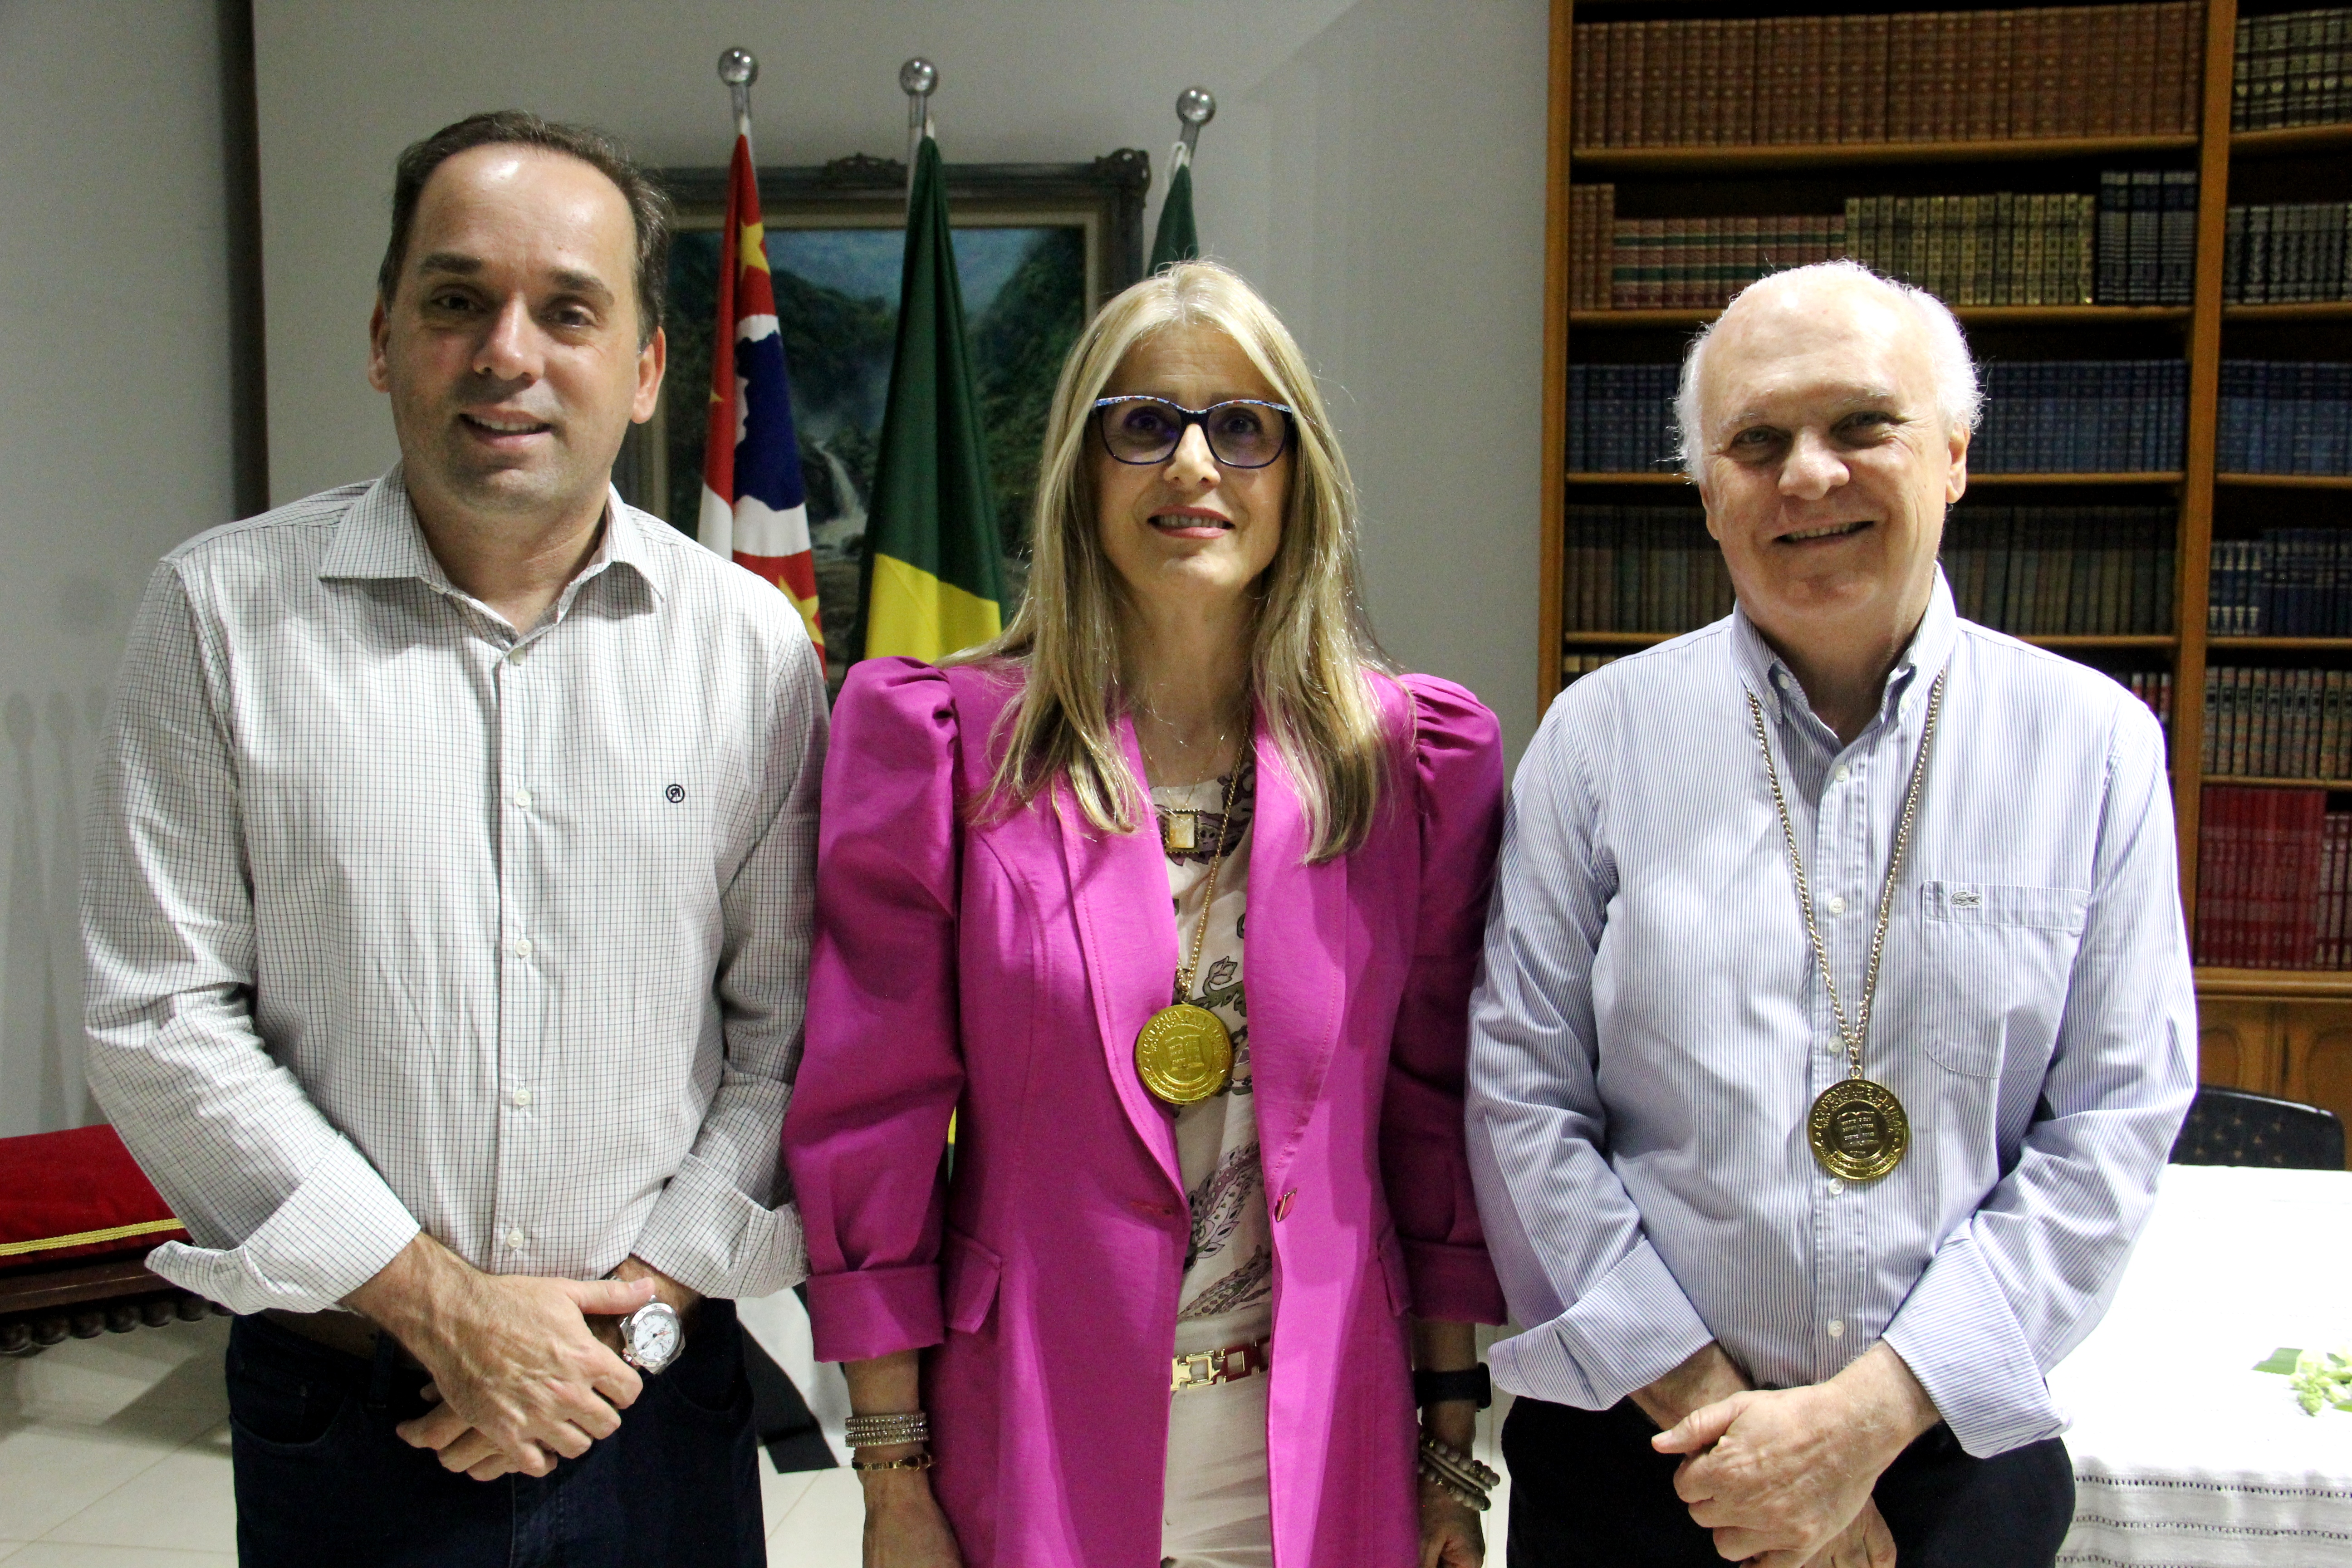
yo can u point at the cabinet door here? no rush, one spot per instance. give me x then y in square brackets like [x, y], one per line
[2319, 1052]
[2238, 1044]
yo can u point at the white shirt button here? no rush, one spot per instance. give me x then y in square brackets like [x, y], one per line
[522, 800]
[1843, 773]
[1836, 1327]
[521, 1098]
[1837, 906]
[515, 1238]
[514, 656]
[522, 947]
[1836, 1186]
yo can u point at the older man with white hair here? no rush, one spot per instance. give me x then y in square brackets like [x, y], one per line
[1837, 1014]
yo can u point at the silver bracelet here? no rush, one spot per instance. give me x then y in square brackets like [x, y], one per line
[888, 1431]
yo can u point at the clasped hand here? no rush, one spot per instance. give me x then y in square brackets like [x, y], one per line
[1783, 1478]
[518, 1378]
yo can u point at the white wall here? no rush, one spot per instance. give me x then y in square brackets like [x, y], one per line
[1376, 167]
[114, 440]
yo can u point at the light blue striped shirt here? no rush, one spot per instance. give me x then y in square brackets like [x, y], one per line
[1651, 1029]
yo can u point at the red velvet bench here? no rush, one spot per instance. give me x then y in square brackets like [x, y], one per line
[77, 1218]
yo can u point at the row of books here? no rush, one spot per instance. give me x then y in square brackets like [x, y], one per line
[2289, 583]
[2292, 68]
[2278, 723]
[1704, 261]
[2153, 687]
[1642, 569]
[2005, 248]
[2099, 416]
[1937, 75]
[2147, 235]
[2289, 253]
[2061, 570]
[2273, 879]
[2285, 417]
[1621, 418]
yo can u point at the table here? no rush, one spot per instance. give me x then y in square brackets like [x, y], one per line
[2184, 1456]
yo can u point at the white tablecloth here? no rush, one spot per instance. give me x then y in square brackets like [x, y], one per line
[2185, 1457]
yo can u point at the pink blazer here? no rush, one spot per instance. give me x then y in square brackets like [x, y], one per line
[1002, 970]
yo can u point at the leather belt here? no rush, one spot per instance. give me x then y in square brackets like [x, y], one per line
[1206, 1369]
[346, 1332]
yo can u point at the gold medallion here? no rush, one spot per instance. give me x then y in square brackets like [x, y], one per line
[1858, 1130]
[1184, 1053]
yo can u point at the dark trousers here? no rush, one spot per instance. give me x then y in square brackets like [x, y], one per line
[1588, 1491]
[321, 1478]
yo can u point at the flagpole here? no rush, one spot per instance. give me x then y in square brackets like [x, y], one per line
[1195, 107]
[917, 78]
[739, 70]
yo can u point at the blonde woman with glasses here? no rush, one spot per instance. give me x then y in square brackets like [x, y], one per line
[1170, 898]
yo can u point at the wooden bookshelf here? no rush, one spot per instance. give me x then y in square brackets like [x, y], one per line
[2259, 1024]
[1601, 161]
[1972, 315]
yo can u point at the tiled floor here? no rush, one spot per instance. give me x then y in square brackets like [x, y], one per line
[114, 1453]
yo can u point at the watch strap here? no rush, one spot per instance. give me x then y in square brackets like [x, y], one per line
[1438, 1387]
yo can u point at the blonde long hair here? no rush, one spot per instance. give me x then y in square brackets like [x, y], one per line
[1311, 645]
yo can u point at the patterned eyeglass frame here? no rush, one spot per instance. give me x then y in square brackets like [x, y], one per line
[1191, 416]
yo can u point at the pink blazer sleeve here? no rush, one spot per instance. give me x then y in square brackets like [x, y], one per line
[883, 1067]
[1457, 780]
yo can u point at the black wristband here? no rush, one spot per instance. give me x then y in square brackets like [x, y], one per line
[1436, 1387]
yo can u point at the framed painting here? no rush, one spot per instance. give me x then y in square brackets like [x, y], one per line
[1039, 247]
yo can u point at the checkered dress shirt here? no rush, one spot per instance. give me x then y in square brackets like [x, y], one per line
[397, 918]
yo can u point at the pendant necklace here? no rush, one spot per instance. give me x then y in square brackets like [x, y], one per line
[1857, 1128]
[1180, 828]
[1185, 1053]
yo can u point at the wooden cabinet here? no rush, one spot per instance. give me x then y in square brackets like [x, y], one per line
[2296, 1046]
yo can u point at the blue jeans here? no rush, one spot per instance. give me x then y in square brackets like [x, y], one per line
[321, 1477]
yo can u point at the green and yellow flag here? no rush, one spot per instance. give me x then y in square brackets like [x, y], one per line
[1176, 239]
[933, 570]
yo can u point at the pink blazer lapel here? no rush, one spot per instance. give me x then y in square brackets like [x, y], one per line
[1127, 929]
[1293, 964]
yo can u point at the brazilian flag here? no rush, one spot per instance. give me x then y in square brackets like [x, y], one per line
[1176, 239]
[932, 579]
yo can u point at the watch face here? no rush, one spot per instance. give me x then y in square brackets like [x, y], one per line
[655, 1337]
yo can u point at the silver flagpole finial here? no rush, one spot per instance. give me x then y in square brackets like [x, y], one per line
[1195, 107]
[917, 78]
[739, 70]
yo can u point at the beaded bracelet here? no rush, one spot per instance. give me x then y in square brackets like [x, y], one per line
[888, 1431]
[1460, 1475]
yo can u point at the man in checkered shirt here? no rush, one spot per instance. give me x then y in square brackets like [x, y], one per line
[447, 910]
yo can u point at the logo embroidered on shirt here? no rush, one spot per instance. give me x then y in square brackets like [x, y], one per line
[675, 794]
[1967, 898]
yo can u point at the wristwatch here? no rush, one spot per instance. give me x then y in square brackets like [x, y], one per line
[652, 1336]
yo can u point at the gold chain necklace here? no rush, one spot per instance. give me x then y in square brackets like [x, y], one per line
[1184, 1053]
[1857, 1128]
[1180, 831]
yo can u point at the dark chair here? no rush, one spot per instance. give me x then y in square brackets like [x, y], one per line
[2234, 1127]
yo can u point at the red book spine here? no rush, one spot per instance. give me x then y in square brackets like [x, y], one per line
[1740, 83]
[1581, 79]
[1654, 42]
[1877, 30]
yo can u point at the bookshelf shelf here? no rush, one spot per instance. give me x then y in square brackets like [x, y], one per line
[2286, 482]
[2313, 311]
[1849, 155]
[2280, 644]
[2271, 984]
[1974, 315]
[2250, 781]
[2291, 139]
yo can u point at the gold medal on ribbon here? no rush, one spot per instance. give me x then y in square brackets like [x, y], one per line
[1858, 1130]
[1184, 1053]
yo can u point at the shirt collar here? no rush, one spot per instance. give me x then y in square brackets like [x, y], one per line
[379, 536]
[1766, 674]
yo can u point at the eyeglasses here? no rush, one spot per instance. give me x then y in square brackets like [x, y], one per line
[1244, 432]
